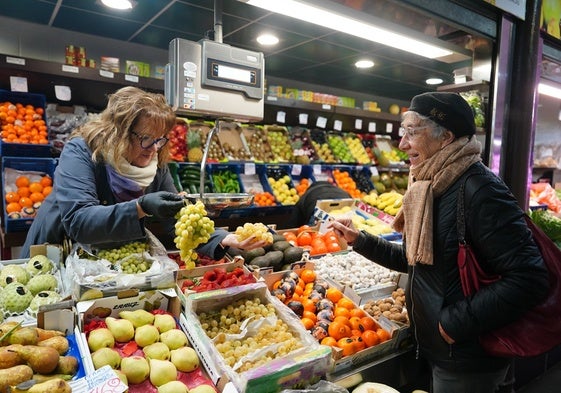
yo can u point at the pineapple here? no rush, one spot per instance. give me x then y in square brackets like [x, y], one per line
[195, 153]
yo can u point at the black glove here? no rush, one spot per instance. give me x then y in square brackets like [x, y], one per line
[161, 204]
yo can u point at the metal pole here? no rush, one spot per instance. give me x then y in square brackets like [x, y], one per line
[218, 21]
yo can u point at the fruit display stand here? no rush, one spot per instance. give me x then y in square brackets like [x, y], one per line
[295, 360]
[301, 142]
[279, 141]
[233, 143]
[258, 143]
[321, 146]
[340, 148]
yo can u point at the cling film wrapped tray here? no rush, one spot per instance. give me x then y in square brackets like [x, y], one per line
[90, 276]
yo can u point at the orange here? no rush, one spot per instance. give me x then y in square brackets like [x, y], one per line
[46, 181]
[341, 311]
[310, 315]
[47, 190]
[343, 320]
[308, 323]
[12, 197]
[333, 247]
[13, 207]
[304, 239]
[333, 294]
[22, 181]
[308, 275]
[25, 202]
[37, 197]
[358, 312]
[24, 191]
[309, 305]
[35, 187]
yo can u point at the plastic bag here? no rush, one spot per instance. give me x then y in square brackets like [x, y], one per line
[544, 194]
[320, 387]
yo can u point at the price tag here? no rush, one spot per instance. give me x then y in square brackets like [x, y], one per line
[303, 118]
[63, 93]
[131, 78]
[316, 169]
[337, 125]
[389, 128]
[374, 171]
[106, 74]
[249, 168]
[18, 83]
[69, 68]
[321, 122]
[15, 60]
[272, 98]
[371, 127]
[281, 117]
[326, 107]
[358, 124]
[296, 169]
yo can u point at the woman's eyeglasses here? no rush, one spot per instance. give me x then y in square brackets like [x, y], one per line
[146, 142]
[411, 132]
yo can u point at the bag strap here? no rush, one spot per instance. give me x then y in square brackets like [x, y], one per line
[460, 209]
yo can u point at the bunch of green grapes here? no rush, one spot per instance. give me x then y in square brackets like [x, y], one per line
[135, 264]
[192, 228]
[114, 255]
[259, 230]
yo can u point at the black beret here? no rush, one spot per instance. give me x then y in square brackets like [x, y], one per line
[450, 110]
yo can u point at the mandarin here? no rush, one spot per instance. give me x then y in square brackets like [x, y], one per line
[22, 181]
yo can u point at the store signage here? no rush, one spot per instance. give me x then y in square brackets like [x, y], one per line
[515, 7]
[15, 60]
[69, 68]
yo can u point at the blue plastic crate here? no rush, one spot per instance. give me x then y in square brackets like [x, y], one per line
[25, 149]
[29, 166]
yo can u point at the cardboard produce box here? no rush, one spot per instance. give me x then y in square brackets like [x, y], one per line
[306, 364]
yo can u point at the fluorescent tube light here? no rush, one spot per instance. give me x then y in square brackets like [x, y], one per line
[364, 63]
[347, 20]
[119, 4]
[549, 90]
[434, 81]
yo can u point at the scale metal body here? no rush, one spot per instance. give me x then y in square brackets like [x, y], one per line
[215, 80]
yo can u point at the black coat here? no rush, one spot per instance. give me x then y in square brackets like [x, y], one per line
[497, 232]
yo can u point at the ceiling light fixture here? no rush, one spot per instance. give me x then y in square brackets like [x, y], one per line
[347, 20]
[267, 39]
[434, 81]
[364, 64]
[549, 90]
[119, 4]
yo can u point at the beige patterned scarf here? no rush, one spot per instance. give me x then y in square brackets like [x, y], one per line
[427, 181]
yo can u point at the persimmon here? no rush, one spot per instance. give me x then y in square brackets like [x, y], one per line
[342, 311]
[310, 315]
[357, 312]
[308, 323]
[338, 330]
[383, 335]
[370, 338]
[343, 320]
[328, 341]
[369, 323]
[309, 305]
[347, 346]
[346, 302]
[356, 324]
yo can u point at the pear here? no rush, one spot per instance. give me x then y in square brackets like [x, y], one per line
[185, 359]
[203, 389]
[122, 330]
[135, 368]
[24, 336]
[138, 317]
[157, 351]
[174, 338]
[162, 371]
[106, 356]
[122, 377]
[43, 360]
[59, 343]
[164, 322]
[68, 365]
[146, 335]
[54, 385]
[100, 338]
[173, 387]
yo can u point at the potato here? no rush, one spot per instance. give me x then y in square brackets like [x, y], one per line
[14, 375]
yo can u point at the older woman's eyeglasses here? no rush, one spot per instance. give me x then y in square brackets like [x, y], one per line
[411, 132]
[146, 142]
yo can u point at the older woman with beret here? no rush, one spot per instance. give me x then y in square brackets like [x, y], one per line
[439, 137]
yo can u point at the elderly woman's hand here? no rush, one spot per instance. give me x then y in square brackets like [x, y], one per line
[344, 228]
[231, 240]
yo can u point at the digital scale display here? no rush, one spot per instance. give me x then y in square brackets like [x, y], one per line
[220, 70]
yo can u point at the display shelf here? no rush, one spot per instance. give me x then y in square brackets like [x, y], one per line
[482, 86]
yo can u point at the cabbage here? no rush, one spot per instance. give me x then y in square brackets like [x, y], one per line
[550, 224]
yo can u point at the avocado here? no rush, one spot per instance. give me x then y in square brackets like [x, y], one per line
[278, 238]
[248, 256]
[281, 246]
[262, 261]
[275, 259]
[292, 254]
